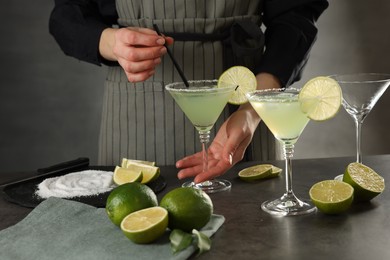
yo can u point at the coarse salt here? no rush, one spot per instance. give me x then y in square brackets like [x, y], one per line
[76, 184]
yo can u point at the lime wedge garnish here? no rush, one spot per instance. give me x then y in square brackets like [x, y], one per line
[320, 98]
[241, 77]
[366, 182]
[331, 196]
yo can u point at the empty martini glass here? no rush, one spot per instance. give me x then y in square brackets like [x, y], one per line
[202, 102]
[361, 91]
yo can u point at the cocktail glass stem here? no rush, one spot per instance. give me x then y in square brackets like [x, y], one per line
[288, 204]
[204, 137]
[288, 155]
[358, 124]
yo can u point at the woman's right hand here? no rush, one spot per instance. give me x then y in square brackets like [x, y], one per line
[137, 50]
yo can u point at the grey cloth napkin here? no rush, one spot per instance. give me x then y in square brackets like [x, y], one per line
[64, 229]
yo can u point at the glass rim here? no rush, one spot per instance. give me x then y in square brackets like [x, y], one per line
[180, 86]
[270, 90]
[383, 77]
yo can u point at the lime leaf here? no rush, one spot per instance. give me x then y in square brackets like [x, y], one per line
[203, 241]
[180, 240]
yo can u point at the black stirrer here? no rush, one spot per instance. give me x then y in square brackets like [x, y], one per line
[172, 58]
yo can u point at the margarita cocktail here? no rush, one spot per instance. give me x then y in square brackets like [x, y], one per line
[281, 110]
[202, 102]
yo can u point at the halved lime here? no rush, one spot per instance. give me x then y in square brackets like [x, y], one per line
[331, 196]
[366, 182]
[123, 175]
[256, 172]
[241, 77]
[146, 225]
[149, 173]
[320, 98]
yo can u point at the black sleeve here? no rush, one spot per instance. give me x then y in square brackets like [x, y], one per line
[77, 25]
[289, 35]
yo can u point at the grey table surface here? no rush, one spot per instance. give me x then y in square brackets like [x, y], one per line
[249, 233]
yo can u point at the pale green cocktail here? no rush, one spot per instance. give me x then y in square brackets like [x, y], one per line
[202, 102]
[280, 109]
[282, 114]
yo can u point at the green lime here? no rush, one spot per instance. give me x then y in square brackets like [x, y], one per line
[127, 198]
[320, 98]
[188, 208]
[241, 77]
[331, 196]
[122, 175]
[256, 172]
[366, 182]
[146, 225]
[149, 172]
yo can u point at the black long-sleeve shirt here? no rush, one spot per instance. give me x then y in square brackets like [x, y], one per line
[290, 32]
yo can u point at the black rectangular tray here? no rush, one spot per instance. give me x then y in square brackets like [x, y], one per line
[23, 192]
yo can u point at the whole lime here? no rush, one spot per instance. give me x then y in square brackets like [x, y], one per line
[188, 208]
[128, 198]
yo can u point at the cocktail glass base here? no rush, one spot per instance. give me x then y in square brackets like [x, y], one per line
[288, 205]
[339, 177]
[211, 186]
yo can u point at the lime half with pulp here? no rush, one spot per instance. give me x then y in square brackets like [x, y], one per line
[366, 182]
[331, 196]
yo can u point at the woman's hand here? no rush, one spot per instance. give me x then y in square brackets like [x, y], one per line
[227, 148]
[137, 50]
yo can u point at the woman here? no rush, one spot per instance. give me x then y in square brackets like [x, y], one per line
[140, 120]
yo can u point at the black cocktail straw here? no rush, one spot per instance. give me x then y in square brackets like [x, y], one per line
[172, 58]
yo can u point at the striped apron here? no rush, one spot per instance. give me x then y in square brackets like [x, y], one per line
[141, 120]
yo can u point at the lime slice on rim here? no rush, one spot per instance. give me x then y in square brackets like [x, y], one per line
[331, 196]
[320, 98]
[366, 182]
[123, 175]
[256, 172]
[241, 77]
[146, 225]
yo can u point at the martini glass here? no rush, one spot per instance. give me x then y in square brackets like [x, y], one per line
[360, 93]
[202, 102]
[281, 111]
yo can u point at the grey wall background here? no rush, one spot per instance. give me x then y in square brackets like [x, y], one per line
[50, 104]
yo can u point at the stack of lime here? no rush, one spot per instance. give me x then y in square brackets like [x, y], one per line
[259, 172]
[134, 208]
[360, 183]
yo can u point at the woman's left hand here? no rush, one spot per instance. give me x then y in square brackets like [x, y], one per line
[227, 148]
